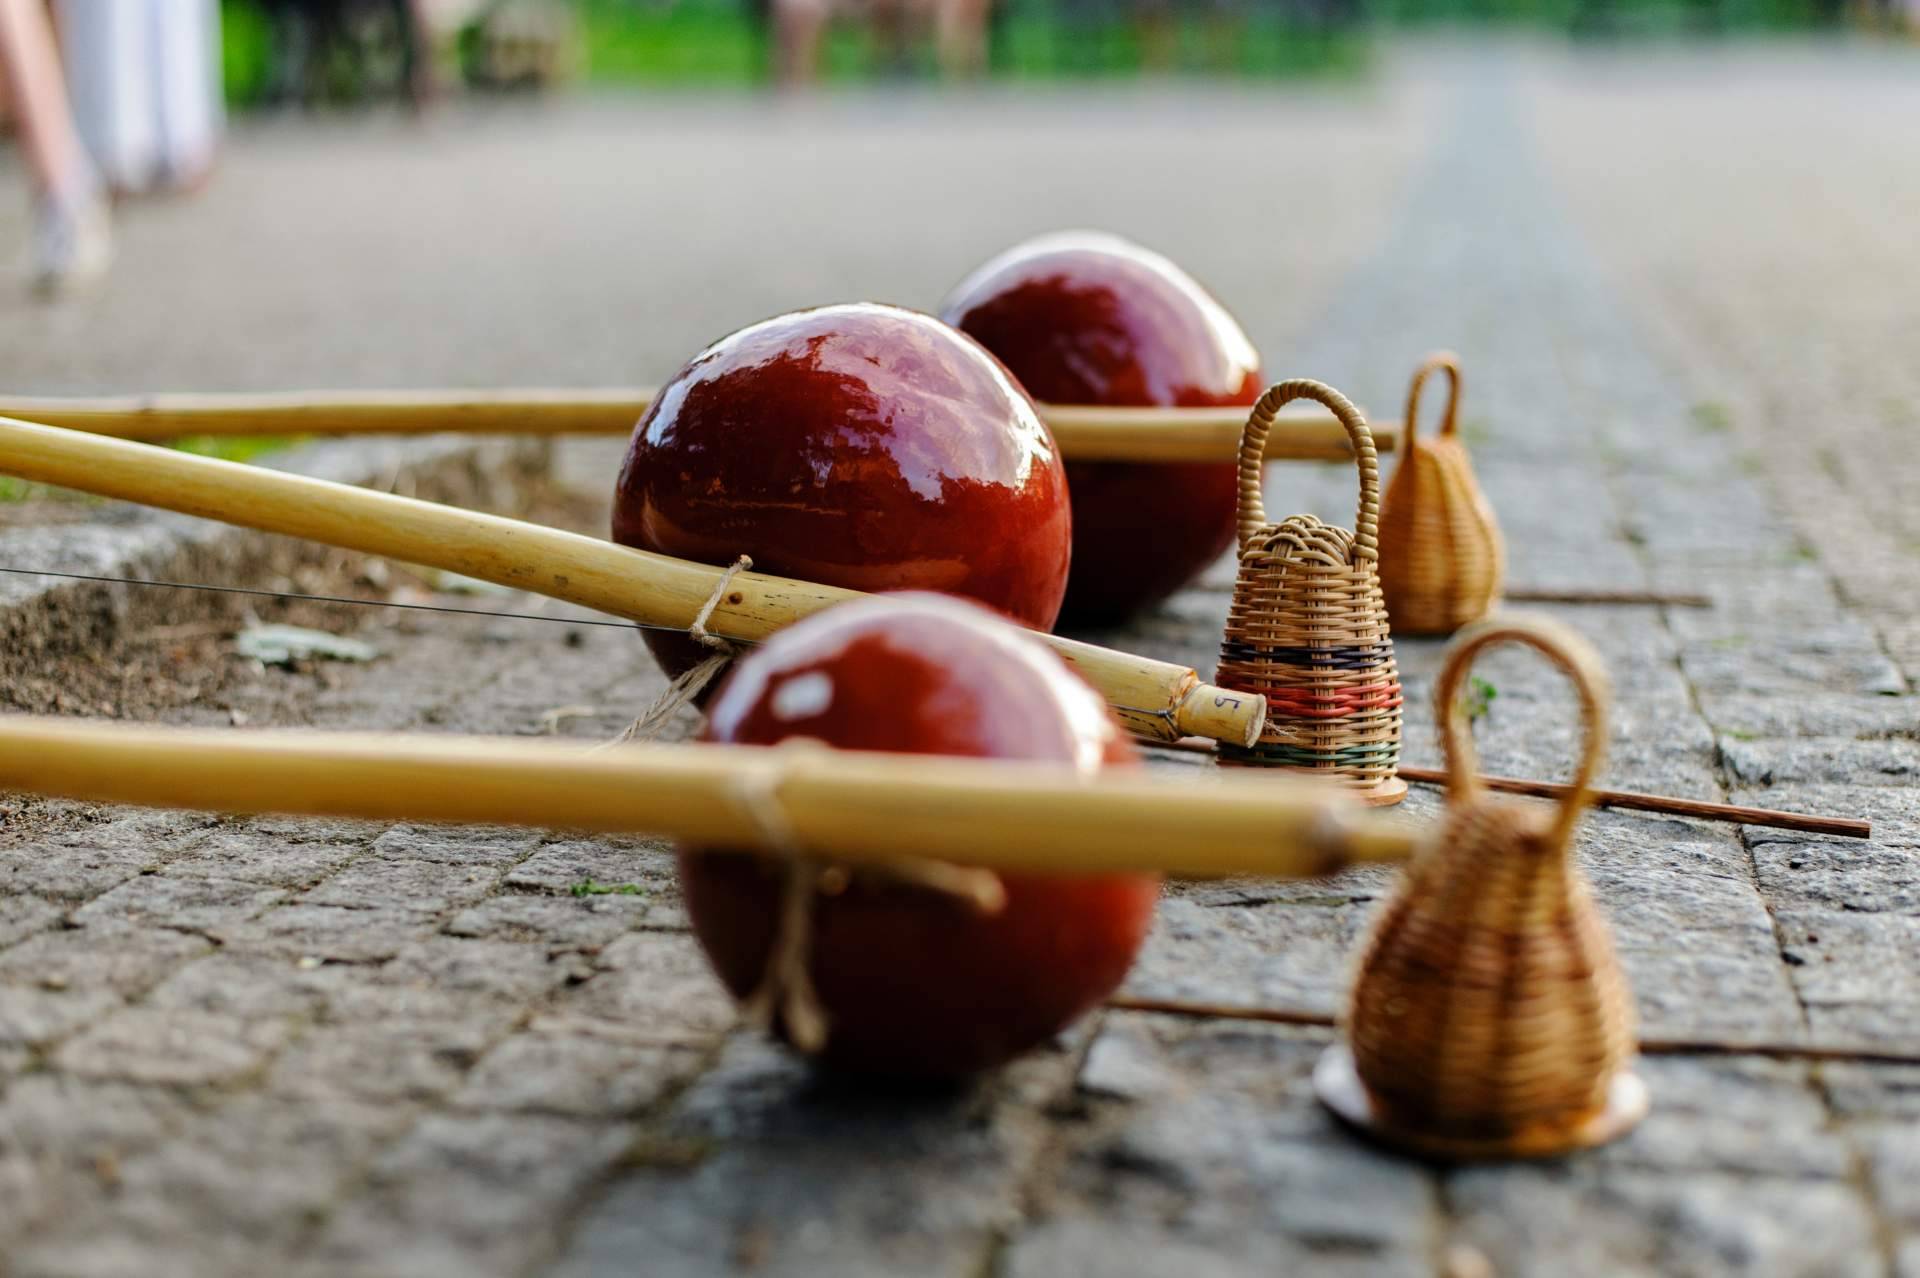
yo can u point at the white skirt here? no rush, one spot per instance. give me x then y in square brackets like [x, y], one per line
[144, 77]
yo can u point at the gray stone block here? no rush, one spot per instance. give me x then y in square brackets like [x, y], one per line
[483, 1191]
[1832, 759]
[185, 904]
[182, 1048]
[108, 956]
[1584, 1222]
[561, 867]
[23, 915]
[583, 1075]
[1838, 875]
[763, 1164]
[467, 845]
[1893, 810]
[656, 982]
[404, 885]
[555, 923]
[326, 932]
[1207, 1137]
[269, 861]
[1294, 956]
[36, 1017]
[382, 1062]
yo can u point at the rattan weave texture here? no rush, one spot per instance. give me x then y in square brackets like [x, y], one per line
[1307, 628]
[1442, 558]
[1489, 1016]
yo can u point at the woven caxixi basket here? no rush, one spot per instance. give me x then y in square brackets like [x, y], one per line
[1489, 1017]
[1307, 628]
[1441, 554]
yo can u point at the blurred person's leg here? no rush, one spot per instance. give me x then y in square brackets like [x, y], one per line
[54, 153]
[416, 51]
[71, 238]
[184, 43]
[1159, 30]
[797, 28]
[108, 45]
[891, 22]
[960, 36]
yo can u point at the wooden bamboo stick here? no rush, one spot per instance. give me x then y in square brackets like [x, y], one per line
[1199, 434]
[1084, 434]
[607, 411]
[1840, 827]
[1155, 699]
[854, 806]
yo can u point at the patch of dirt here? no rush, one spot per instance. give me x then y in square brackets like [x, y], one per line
[175, 649]
[148, 653]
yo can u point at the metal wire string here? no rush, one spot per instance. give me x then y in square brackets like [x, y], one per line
[330, 599]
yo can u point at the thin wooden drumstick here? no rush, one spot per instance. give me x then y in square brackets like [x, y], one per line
[1153, 698]
[1651, 598]
[1083, 433]
[1652, 1045]
[855, 806]
[1700, 809]
[1840, 827]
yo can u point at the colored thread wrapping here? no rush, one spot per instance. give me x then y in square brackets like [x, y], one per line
[1307, 628]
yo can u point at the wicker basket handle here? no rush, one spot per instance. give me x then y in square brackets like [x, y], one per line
[1449, 363]
[1253, 456]
[1559, 644]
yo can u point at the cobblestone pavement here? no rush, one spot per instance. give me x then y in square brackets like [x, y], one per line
[330, 1047]
[1790, 328]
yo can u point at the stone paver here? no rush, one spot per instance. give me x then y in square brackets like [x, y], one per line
[1786, 333]
[340, 1047]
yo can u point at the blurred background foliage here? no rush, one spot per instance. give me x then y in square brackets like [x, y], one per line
[728, 42]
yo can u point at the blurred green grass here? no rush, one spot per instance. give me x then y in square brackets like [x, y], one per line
[236, 448]
[721, 43]
[246, 51]
[724, 42]
[705, 44]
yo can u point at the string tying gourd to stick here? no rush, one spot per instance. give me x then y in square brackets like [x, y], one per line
[786, 1001]
[686, 687]
[922, 966]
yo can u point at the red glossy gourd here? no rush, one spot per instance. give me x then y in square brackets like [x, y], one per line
[860, 446]
[1090, 318]
[911, 981]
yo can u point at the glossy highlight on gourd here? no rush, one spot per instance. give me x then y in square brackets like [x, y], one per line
[861, 446]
